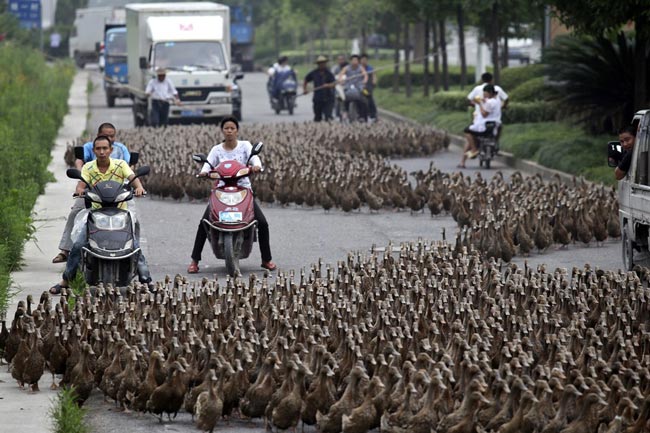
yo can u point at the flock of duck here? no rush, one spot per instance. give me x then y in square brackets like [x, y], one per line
[421, 338]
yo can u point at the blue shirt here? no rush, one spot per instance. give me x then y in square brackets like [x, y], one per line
[119, 152]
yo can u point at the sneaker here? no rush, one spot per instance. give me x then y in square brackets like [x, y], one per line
[471, 154]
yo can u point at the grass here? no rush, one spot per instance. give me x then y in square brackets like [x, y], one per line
[33, 97]
[67, 416]
[559, 145]
[77, 288]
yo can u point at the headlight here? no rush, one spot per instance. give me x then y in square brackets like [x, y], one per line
[231, 198]
[93, 197]
[110, 222]
[122, 196]
[219, 100]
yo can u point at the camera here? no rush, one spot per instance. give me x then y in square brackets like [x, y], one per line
[614, 153]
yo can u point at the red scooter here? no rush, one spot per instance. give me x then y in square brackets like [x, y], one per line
[231, 223]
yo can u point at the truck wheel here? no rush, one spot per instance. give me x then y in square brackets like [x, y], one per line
[628, 251]
[137, 121]
[110, 100]
[487, 164]
[237, 115]
[232, 262]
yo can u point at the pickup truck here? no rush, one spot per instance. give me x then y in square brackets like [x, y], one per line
[634, 193]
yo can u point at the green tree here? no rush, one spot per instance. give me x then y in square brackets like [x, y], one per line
[598, 17]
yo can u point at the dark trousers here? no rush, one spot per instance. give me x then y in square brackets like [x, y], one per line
[262, 235]
[362, 108]
[372, 108]
[323, 109]
[159, 112]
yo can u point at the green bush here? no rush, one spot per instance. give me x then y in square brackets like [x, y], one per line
[451, 101]
[33, 101]
[511, 78]
[67, 416]
[385, 77]
[529, 112]
[532, 90]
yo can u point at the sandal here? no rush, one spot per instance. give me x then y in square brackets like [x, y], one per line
[60, 258]
[56, 289]
[461, 166]
[269, 265]
[193, 268]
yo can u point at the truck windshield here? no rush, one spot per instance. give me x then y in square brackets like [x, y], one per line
[178, 55]
[115, 47]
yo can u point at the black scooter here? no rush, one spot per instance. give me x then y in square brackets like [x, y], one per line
[111, 255]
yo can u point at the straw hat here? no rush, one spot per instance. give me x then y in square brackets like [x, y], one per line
[321, 59]
[161, 71]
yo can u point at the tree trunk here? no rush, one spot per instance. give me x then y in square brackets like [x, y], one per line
[443, 51]
[504, 54]
[641, 27]
[436, 59]
[276, 38]
[407, 56]
[460, 16]
[364, 39]
[425, 84]
[495, 41]
[396, 58]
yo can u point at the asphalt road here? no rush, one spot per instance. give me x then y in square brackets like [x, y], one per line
[299, 236]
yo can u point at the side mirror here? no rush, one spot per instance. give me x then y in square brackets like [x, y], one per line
[79, 152]
[135, 157]
[257, 149]
[142, 171]
[73, 173]
[614, 153]
[98, 46]
[200, 157]
[239, 76]
[144, 64]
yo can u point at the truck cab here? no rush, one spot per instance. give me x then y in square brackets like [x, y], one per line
[115, 66]
[192, 42]
[634, 195]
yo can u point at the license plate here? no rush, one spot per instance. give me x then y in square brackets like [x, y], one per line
[192, 113]
[230, 217]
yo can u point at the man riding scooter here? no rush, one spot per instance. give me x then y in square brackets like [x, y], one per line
[104, 168]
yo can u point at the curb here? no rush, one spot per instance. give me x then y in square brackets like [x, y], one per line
[21, 410]
[507, 158]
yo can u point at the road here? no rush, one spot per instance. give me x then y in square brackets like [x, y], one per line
[299, 236]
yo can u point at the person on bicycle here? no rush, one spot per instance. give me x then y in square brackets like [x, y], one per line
[354, 79]
[489, 111]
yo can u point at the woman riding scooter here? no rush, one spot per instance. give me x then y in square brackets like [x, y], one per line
[233, 149]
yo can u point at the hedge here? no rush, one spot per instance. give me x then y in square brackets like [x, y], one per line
[385, 77]
[33, 101]
[530, 112]
[532, 90]
[451, 101]
[511, 78]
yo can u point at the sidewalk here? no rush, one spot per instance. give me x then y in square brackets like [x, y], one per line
[21, 410]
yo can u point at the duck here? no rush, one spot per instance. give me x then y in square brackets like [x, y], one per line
[129, 382]
[168, 397]
[587, 420]
[287, 413]
[20, 358]
[258, 395]
[4, 335]
[208, 406]
[149, 383]
[367, 416]
[82, 379]
[35, 362]
[427, 416]
[515, 424]
[189, 401]
[351, 398]
[398, 421]
[320, 396]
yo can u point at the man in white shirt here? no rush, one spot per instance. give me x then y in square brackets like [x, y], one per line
[476, 95]
[161, 91]
[489, 111]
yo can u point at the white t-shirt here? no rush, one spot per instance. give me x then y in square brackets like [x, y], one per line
[278, 68]
[163, 90]
[493, 107]
[478, 92]
[240, 153]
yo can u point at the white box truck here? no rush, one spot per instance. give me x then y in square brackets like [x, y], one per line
[192, 42]
[88, 33]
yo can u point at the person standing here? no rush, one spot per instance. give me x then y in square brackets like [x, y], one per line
[370, 87]
[324, 82]
[341, 63]
[161, 91]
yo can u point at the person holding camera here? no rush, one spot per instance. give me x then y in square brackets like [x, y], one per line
[626, 136]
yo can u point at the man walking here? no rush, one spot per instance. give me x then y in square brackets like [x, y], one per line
[161, 91]
[324, 82]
